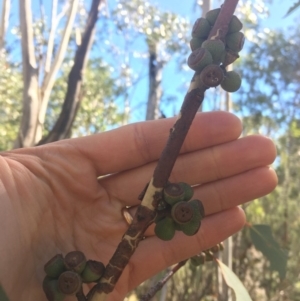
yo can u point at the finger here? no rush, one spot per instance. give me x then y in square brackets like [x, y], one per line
[230, 192]
[202, 166]
[154, 255]
[140, 143]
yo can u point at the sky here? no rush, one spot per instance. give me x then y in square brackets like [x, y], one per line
[174, 82]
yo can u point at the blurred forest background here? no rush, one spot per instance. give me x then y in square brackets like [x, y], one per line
[70, 68]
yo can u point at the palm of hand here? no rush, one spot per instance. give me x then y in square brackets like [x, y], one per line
[52, 200]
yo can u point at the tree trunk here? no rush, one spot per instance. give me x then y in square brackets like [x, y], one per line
[155, 76]
[26, 136]
[52, 71]
[4, 21]
[62, 127]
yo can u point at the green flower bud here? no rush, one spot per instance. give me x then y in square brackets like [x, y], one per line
[75, 261]
[55, 266]
[235, 25]
[188, 191]
[201, 28]
[235, 41]
[212, 15]
[232, 81]
[196, 43]
[216, 49]
[190, 228]
[93, 271]
[69, 283]
[182, 212]
[50, 288]
[165, 229]
[199, 58]
[199, 259]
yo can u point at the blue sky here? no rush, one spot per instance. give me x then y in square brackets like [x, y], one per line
[174, 82]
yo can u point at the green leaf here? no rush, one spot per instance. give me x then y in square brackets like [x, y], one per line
[263, 240]
[3, 296]
[291, 9]
[234, 283]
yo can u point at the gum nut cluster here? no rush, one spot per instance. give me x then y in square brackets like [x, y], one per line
[65, 275]
[206, 255]
[181, 213]
[214, 51]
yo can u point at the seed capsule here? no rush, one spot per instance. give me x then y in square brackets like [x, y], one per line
[50, 288]
[199, 58]
[177, 192]
[165, 229]
[196, 43]
[232, 81]
[235, 24]
[92, 271]
[235, 41]
[212, 15]
[69, 283]
[216, 49]
[230, 57]
[212, 75]
[193, 225]
[55, 266]
[201, 28]
[75, 261]
[182, 212]
[188, 191]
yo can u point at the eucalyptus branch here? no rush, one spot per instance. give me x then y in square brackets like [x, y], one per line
[146, 212]
[159, 285]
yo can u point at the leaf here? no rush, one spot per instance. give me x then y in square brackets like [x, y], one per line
[263, 240]
[234, 283]
[3, 296]
[291, 9]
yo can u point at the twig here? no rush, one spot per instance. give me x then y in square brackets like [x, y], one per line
[146, 212]
[159, 285]
[80, 295]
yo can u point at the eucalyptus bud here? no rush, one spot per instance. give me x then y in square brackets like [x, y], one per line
[235, 24]
[212, 75]
[75, 261]
[232, 81]
[235, 41]
[69, 283]
[198, 259]
[50, 288]
[196, 43]
[216, 49]
[190, 228]
[165, 228]
[199, 58]
[93, 271]
[176, 192]
[182, 212]
[212, 15]
[55, 266]
[201, 28]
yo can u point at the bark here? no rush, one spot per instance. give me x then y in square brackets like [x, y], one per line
[62, 127]
[26, 136]
[51, 75]
[155, 90]
[4, 21]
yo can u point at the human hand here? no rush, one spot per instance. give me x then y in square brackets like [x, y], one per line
[52, 202]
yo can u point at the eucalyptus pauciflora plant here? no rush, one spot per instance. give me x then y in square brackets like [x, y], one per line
[216, 41]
